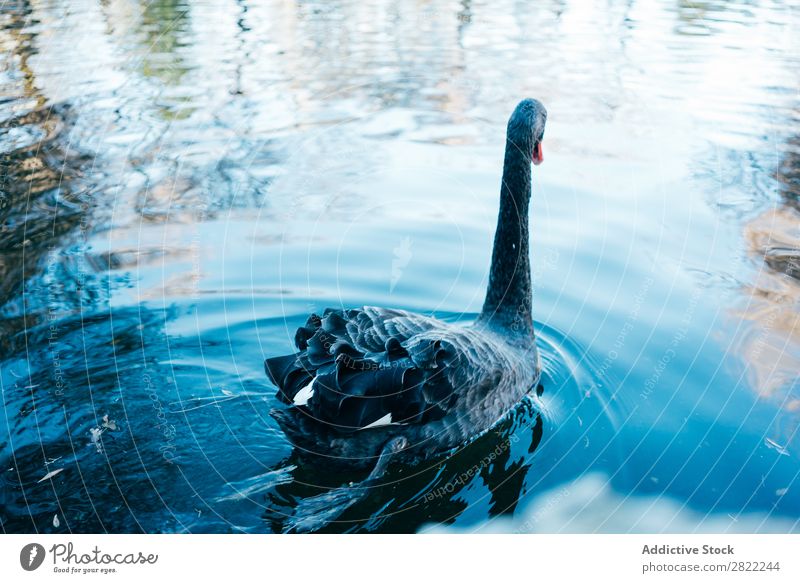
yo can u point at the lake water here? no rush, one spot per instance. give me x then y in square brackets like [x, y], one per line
[183, 182]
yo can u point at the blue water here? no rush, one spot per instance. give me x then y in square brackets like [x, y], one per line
[183, 182]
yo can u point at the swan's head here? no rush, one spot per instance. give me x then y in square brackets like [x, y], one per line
[526, 128]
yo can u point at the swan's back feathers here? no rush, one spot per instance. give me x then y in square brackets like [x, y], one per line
[363, 377]
[358, 369]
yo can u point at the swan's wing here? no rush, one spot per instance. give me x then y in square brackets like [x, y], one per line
[360, 369]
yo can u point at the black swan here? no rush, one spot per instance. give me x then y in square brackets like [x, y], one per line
[373, 384]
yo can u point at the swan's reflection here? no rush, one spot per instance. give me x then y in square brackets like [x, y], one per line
[487, 473]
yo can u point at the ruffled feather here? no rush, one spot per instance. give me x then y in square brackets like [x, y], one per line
[366, 365]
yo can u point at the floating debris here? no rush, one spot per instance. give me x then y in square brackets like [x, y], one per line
[96, 434]
[49, 475]
[781, 491]
[776, 446]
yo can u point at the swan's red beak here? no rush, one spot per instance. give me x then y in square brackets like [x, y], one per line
[538, 154]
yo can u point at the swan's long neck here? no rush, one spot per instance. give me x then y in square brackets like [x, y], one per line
[508, 298]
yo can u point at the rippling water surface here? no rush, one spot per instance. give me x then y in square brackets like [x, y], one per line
[182, 182]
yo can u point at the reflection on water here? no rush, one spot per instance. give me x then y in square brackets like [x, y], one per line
[768, 336]
[182, 182]
[589, 505]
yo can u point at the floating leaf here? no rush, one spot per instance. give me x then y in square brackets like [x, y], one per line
[49, 475]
